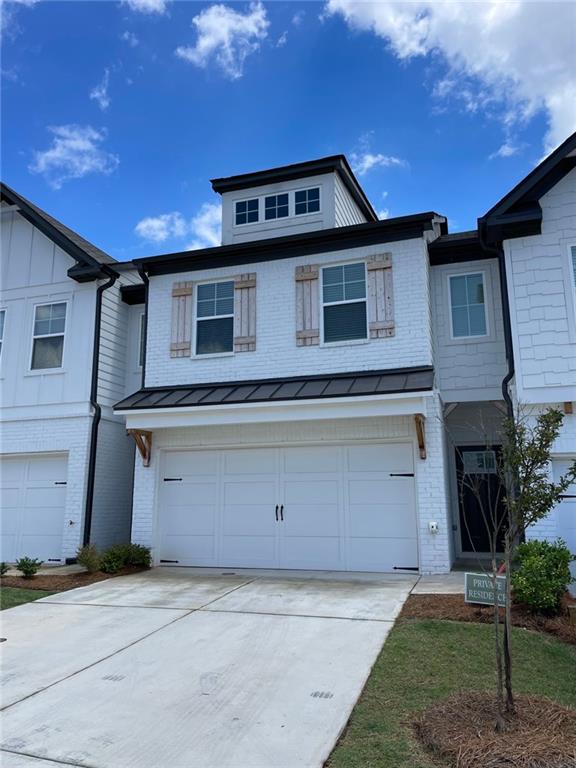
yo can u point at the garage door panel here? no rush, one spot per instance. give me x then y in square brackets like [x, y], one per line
[45, 498]
[8, 547]
[250, 492]
[382, 521]
[190, 520]
[253, 461]
[381, 490]
[42, 546]
[249, 551]
[311, 460]
[311, 520]
[9, 498]
[375, 554]
[191, 463]
[311, 492]
[44, 521]
[50, 468]
[312, 552]
[189, 550]
[255, 520]
[394, 457]
[181, 494]
[12, 471]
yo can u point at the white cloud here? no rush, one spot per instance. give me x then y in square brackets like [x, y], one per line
[204, 228]
[513, 58]
[147, 6]
[507, 149]
[362, 162]
[383, 213]
[226, 36]
[282, 40]
[298, 18]
[8, 23]
[161, 228]
[130, 38]
[75, 152]
[99, 93]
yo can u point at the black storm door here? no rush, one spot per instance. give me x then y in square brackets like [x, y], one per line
[480, 499]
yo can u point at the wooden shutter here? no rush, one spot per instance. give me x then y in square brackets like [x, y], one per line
[245, 313]
[181, 319]
[307, 311]
[380, 296]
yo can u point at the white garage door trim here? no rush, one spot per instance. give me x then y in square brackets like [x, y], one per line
[329, 499]
[32, 505]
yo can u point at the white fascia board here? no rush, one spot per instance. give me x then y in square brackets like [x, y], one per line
[45, 412]
[254, 413]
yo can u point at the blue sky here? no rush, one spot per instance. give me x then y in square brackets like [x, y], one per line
[116, 115]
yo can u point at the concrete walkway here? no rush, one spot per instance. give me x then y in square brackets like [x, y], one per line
[192, 668]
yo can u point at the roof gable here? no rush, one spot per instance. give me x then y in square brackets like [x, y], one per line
[518, 213]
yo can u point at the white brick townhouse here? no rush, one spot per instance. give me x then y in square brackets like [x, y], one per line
[314, 386]
[68, 351]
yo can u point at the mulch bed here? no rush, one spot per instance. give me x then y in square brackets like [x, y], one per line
[462, 730]
[453, 608]
[62, 582]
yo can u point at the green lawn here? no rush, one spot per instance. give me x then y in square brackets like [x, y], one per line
[423, 661]
[10, 597]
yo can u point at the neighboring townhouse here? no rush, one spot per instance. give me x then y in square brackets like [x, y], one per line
[534, 226]
[69, 350]
[289, 416]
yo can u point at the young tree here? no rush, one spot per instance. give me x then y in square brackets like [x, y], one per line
[529, 495]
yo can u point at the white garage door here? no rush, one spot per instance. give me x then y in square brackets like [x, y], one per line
[329, 508]
[32, 503]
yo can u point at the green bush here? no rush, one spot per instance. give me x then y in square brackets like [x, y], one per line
[121, 555]
[28, 566]
[111, 562]
[89, 557]
[4, 568]
[542, 575]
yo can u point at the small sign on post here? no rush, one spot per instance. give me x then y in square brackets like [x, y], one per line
[479, 589]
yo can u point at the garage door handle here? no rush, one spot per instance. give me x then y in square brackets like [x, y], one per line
[282, 512]
[59, 482]
[276, 512]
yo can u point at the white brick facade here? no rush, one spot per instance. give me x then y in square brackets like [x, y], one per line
[276, 351]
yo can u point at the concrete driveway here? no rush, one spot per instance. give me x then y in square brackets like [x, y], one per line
[192, 668]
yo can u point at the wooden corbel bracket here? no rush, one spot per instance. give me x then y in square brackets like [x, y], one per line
[420, 434]
[143, 440]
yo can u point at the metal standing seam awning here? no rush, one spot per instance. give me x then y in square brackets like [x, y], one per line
[398, 391]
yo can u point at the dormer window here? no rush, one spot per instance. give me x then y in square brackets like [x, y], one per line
[276, 206]
[247, 211]
[307, 201]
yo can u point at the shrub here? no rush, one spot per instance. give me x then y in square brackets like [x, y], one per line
[111, 561]
[121, 555]
[29, 566]
[89, 557]
[542, 575]
[4, 568]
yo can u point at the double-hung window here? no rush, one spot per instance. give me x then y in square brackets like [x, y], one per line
[48, 337]
[468, 305]
[247, 211]
[276, 206]
[307, 201]
[215, 318]
[344, 302]
[2, 321]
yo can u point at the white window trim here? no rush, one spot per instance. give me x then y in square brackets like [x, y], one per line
[276, 194]
[322, 304]
[195, 354]
[247, 200]
[47, 371]
[3, 309]
[308, 213]
[479, 337]
[570, 280]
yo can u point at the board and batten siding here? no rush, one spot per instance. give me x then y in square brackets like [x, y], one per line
[346, 212]
[115, 355]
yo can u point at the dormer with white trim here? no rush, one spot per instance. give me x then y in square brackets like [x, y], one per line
[292, 199]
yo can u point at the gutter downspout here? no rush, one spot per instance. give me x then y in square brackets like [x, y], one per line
[509, 349]
[146, 282]
[97, 410]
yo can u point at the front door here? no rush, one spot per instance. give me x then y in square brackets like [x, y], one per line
[480, 498]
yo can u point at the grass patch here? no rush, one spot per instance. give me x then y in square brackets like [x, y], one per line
[10, 597]
[425, 661]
